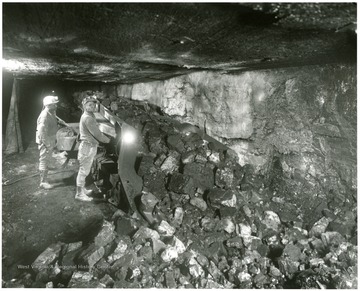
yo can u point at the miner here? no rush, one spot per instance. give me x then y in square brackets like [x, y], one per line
[47, 126]
[90, 136]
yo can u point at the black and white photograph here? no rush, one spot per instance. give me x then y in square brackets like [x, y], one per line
[173, 145]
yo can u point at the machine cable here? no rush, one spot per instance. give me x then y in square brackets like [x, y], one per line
[11, 182]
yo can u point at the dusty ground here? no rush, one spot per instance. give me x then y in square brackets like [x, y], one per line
[34, 218]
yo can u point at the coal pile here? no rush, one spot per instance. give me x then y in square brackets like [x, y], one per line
[205, 222]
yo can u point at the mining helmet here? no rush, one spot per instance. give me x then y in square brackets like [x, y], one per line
[50, 100]
[89, 99]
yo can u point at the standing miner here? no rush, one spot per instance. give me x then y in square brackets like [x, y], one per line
[90, 136]
[47, 126]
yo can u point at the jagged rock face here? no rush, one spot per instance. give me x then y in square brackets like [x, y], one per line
[297, 125]
[228, 106]
[220, 104]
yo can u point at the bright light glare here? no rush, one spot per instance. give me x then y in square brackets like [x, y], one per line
[128, 137]
[12, 65]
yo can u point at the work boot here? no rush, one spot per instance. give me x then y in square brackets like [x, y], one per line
[80, 195]
[43, 181]
[86, 191]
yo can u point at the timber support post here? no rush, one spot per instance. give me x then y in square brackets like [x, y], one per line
[13, 139]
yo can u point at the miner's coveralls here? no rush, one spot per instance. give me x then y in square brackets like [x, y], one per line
[90, 136]
[46, 129]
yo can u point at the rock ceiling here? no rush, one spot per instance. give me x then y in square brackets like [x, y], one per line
[139, 42]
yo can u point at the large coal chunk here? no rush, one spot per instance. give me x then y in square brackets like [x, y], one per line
[126, 225]
[250, 180]
[198, 203]
[175, 143]
[147, 162]
[82, 279]
[225, 178]
[219, 198]
[106, 234]
[171, 162]
[155, 182]
[68, 266]
[147, 206]
[89, 256]
[182, 184]
[203, 175]
[343, 223]
[155, 139]
[47, 257]
[193, 141]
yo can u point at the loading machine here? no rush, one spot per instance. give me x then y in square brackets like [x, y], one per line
[114, 165]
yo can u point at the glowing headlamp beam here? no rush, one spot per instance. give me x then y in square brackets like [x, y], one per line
[128, 137]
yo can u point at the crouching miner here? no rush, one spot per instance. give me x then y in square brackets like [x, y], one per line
[90, 136]
[47, 126]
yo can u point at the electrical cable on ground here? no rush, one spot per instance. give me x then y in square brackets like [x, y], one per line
[9, 182]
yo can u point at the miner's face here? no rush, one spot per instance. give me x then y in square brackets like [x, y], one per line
[52, 107]
[90, 107]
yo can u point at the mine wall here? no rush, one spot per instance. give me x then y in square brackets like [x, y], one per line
[295, 126]
[276, 209]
